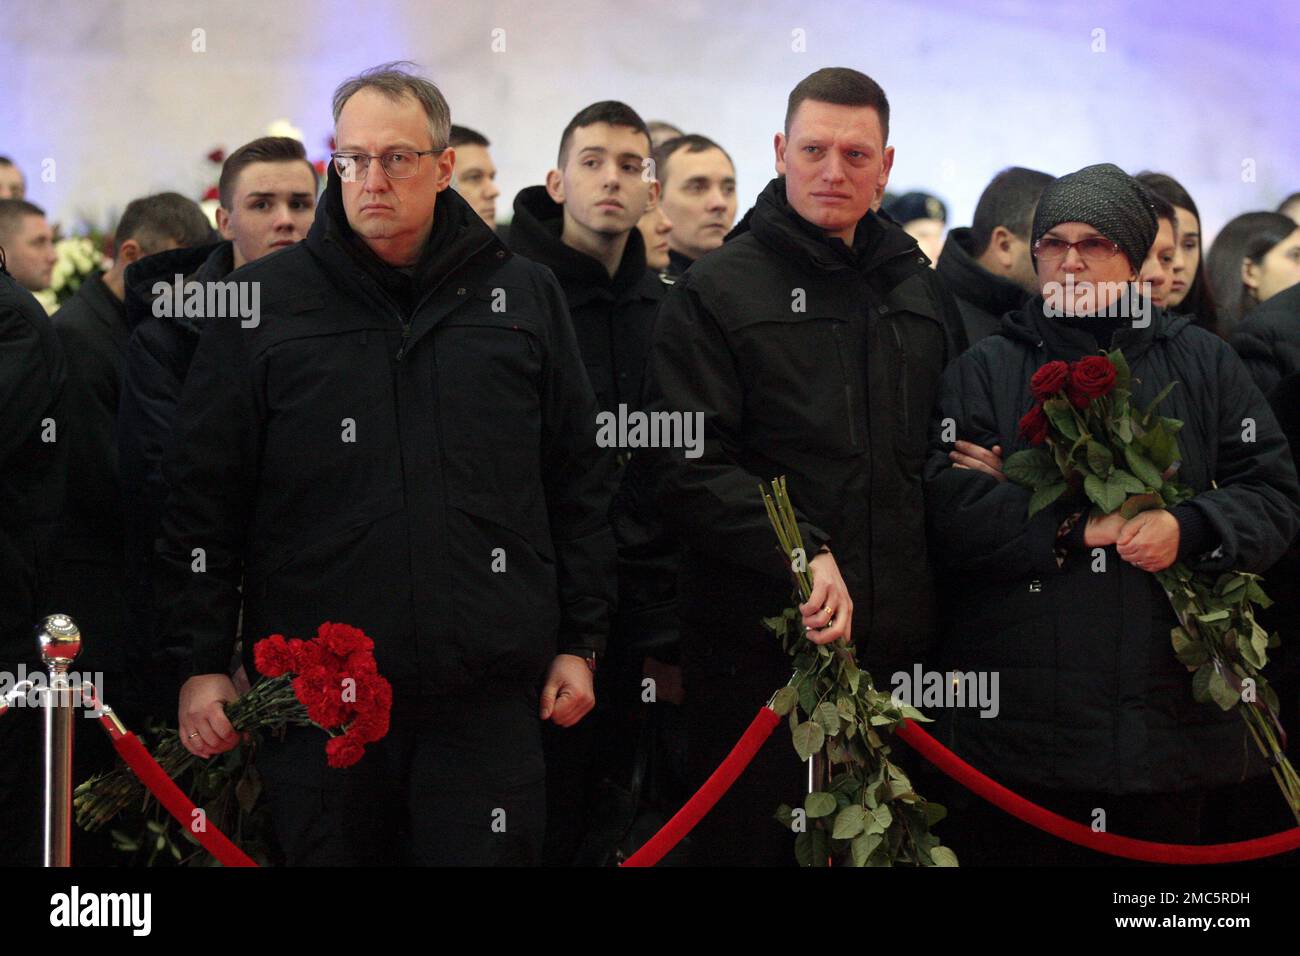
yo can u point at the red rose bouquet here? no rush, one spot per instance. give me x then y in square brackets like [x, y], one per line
[1090, 440]
[330, 681]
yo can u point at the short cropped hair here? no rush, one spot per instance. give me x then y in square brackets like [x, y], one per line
[1009, 201]
[606, 111]
[152, 221]
[840, 86]
[464, 136]
[396, 80]
[692, 143]
[267, 149]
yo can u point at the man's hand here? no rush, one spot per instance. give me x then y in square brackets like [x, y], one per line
[568, 695]
[1102, 530]
[1149, 540]
[828, 612]
[967, 454]
[201, 713]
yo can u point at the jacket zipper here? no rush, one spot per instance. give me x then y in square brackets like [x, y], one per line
[902, 371]
[848, 387]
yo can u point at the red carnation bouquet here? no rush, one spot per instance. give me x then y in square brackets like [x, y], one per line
[1089, 440]
[330, 681]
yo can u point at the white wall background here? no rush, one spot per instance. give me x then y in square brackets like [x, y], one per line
[112, 92]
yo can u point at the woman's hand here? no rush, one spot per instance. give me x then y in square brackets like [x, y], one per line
[1149, 540]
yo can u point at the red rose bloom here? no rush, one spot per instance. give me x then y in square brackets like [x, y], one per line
[1091, 377]
[218, 155]
[1049, 380]
[1033, 426]
[212, 193]
[272, 656]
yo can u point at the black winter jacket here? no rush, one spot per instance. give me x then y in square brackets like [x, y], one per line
[982, 297]
[614, 317]
[1268, 339]
[92, 330]
[1091, 695]
[33, 464]
[414, 456]
[819, 362]
[154, 368]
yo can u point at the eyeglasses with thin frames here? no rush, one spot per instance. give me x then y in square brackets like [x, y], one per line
[397, 163]
[1091, 248]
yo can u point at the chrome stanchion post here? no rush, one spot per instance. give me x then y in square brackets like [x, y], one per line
[60, 643]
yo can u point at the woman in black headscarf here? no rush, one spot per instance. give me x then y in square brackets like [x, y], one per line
[1094, 713]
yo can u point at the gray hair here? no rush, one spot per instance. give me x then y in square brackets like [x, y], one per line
[396, 80]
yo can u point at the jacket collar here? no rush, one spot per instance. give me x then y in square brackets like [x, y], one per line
[774, 222]
[94, 291]
[459, 236]
[535, 234]
[969, 280]
[165, 267]
[1031, 326]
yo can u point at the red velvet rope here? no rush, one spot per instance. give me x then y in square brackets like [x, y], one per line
[718, 783]
[1059, 826]
[762, 726]
[171, 796]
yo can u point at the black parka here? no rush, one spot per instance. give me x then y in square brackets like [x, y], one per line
[982, 297]
[1091, 697]
[819, 362]
[1268, 339]
[33, 466]
[93, 332]
[614, 317]
[420, 466]
[154, 368]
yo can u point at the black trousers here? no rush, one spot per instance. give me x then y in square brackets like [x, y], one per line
[728, 674]
[458, 781]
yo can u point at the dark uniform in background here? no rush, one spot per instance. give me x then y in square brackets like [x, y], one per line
[32, 384]
[614, 318]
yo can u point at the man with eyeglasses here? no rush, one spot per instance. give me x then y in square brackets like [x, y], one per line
[404, 442]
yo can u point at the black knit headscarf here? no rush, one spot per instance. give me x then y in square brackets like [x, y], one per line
[1106, 198]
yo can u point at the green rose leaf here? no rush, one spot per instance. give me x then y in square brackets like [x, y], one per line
[819, 804]
[1106, 495]
[1062, 418]
[864, 844]
[849, 822]
[785, 700]
[1044, 496]
[1030, 467]
[1141, 466]
[808, 739]
[943, 856]
[828, 716]
[1100, 459]
[1220, 692]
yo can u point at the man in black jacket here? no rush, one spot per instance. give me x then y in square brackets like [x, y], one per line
[582, 225]
[92, 328]
[32, 470]
[988, 267]
[402, 440]
[268, 197]
[812, 342]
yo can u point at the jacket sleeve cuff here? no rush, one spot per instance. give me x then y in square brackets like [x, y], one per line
[1195, 534]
